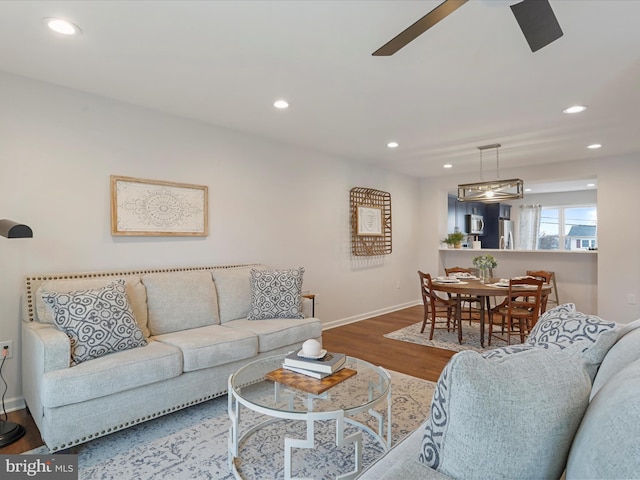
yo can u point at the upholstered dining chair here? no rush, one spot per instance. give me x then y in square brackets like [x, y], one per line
[437, 310]
[521, 308]
[469, 300]
[546, 277]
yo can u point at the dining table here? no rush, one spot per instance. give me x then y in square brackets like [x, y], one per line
[471, 286]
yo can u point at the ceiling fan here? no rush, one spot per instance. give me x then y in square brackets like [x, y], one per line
[535, 17]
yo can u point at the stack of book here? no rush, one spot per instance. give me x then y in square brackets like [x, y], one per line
[315, 367]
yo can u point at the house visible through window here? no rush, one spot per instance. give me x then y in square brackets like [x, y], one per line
[568, 228]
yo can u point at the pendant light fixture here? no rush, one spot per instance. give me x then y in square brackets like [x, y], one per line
[493, 191]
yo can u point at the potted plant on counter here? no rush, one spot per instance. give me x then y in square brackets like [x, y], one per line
[454, 239]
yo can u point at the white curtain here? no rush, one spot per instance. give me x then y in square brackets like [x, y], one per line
[529, 229]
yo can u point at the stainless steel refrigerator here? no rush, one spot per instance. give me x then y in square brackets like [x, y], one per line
[505, 231]
[498, 233]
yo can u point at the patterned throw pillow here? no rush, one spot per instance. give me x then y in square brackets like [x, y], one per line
[564, 324]
[589, 336]
[530, 403]
[276, 294]
[97, 322]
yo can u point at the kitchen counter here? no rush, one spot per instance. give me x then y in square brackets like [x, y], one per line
[494, 250]
[576, 271]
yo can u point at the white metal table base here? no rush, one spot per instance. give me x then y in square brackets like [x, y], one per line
[236, 440]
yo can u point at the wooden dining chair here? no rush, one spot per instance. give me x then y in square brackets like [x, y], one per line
[546, 277]
[437, 310]
[550, 278]
[520, 309]
[470, 300]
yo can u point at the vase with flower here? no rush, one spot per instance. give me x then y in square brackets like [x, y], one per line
[485, 264]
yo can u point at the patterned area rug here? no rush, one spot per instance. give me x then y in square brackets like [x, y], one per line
[192, 443]
[447, 340]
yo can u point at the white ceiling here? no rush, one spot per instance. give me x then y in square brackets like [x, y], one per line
[471, 80]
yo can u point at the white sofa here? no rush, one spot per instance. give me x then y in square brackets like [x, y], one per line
[194, 327]
[566, 403]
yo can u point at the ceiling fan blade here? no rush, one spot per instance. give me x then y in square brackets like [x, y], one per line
[537, 22]
[414, 31]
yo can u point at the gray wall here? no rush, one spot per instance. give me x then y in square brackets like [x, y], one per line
[268, 203]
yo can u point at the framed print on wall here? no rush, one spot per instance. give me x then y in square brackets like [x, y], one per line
[369, 220]
[157, 208]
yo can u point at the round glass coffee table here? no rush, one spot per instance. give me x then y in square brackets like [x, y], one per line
[369, 387]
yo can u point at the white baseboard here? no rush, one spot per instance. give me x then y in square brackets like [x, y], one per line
[13, 404]
[364, 316]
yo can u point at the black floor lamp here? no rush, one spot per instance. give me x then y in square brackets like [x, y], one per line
[10, 431]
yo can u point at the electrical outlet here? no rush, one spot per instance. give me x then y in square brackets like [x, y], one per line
[8, 345]
[631, 299]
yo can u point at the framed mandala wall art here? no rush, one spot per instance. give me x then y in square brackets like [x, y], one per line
[156, 208]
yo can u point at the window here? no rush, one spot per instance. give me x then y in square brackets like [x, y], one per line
[568, 228]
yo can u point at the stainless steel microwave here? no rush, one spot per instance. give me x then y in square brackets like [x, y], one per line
[474, 224]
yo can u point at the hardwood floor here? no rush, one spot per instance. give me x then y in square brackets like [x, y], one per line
[31, 438]
[362, 339]
[365, 340]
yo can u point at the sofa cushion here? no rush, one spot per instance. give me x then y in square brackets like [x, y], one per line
[509, 417]
[586, 335]
[97, 322]
[211, 346]
[279, 332]
[110, 374]
[180, 301]
[606, 444]
[234, 292]
[625, 351]
[135, 292]
[276, 294]
[400, 463]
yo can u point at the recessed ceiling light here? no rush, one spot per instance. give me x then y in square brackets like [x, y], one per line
[281, 104]
[591, 184]
[392, 144]
[61, 26]
[575, 109]
[593, 146]
[447, 165]
[527, 189]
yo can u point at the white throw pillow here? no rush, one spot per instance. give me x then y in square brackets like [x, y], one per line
[97, 322]
[276, 294]
[508, 417]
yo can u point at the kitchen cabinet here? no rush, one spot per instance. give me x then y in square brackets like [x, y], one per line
[495, 214]
[456, 212]
[475, 208]
[504, 211]
[451, 213]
